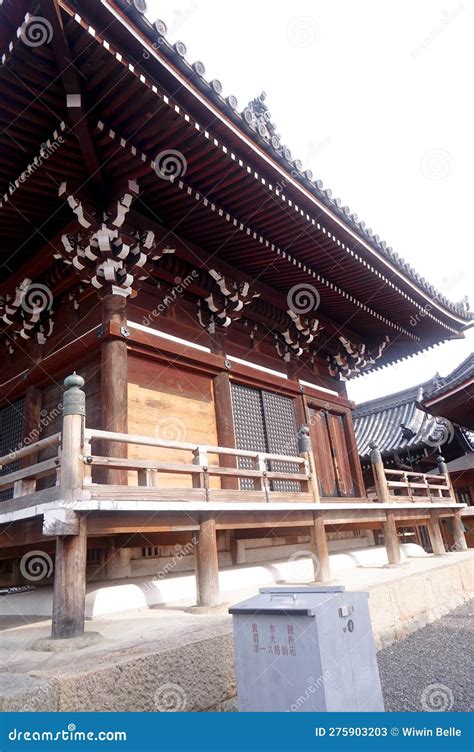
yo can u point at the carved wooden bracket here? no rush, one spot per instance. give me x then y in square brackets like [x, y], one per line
[298, 336]
[225, 303]
[353, 359]
[103, 253]
[28, 313]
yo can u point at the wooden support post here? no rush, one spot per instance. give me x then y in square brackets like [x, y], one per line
[458, 532]
[69, 595]
[319, 549]
[117, 561]
[305, 450]
[114, 384]
[381, 487]
[443, 470]
[225, 425]
[71, 550]
[392, 544]
[436, 539]
[207, 567]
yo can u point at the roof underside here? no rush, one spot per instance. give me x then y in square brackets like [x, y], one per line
[237, 195]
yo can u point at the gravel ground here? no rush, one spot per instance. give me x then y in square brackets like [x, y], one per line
[432, 669]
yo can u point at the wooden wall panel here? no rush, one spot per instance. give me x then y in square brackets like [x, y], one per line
[170, 403]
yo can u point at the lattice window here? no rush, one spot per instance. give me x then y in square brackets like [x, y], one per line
[11, 436]
[151, 552]
[264, 422]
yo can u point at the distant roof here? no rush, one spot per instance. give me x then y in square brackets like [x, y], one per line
[440, 385]
[466, 462]
[396, 423]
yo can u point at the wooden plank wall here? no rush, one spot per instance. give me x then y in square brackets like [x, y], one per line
[169, 402]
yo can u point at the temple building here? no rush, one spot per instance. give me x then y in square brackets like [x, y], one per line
[181, 304]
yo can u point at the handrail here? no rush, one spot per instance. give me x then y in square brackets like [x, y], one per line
[25, 451]
[92, 433]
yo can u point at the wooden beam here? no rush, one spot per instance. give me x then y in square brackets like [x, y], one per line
[207, 567]
[392, 544]
[69, 593]
[319, 549]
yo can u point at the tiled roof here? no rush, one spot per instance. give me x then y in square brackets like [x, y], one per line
[462, 373]
[258, 124]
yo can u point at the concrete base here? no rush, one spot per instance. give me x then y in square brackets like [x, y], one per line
[48, 645]
[146, 651]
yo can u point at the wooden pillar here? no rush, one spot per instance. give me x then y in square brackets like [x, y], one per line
[117, 562]
[458, 532]
[69, 595]
[114, 383]
[437, 544]
[207, 567]
[392, 544]
[381, 487]
[71, 550]
[225, 425]
[319, 549]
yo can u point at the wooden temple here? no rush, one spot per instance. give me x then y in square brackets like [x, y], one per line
[181, 304]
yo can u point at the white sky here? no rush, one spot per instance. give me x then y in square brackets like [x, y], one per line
[376, 99]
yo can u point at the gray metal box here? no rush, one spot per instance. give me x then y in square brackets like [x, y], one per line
[305, 649]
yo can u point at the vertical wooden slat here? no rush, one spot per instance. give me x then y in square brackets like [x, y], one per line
[225, 425]
[322, 451]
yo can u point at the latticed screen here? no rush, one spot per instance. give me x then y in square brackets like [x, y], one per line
[11, 436]
[265, 422]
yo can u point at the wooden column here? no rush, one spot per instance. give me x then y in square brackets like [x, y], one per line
[71, 550]
[458, 532]
[207, 567]
[434, 531]
[319, 549]
[381, 487]
[225, 425]
[114, 383]
[69, 595]
[392, 544]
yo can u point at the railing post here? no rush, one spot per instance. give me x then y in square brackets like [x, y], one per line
[72, 438]
[305, 450]
[202, 480]
[71, 550]
[443, 470]
[381, 486]
[261, 465]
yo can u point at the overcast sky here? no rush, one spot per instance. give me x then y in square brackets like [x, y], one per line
[376, 99]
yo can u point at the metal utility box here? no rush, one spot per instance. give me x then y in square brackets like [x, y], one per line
[305, 649]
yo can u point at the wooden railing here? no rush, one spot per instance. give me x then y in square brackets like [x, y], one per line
[405, 485]
[24, 480]
[200, 470]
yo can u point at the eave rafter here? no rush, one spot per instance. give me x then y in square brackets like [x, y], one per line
[356, 246]
[74, 96]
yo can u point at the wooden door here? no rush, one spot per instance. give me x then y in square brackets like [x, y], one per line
[331, 453]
